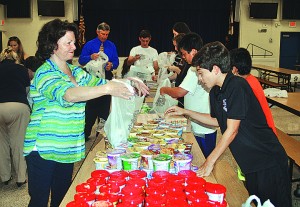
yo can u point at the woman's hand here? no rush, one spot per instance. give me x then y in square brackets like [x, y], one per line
[174, 110]
[139, 85]
[119, 89]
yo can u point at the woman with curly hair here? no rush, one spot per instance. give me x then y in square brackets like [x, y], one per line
[16, 44]
[55, 135]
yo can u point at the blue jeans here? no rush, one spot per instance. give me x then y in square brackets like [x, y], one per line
[207, 142]
[45, 176]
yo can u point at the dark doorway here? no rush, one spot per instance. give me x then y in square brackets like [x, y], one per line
[289, 50]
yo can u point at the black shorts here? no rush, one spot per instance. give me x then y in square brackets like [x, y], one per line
[273, 183]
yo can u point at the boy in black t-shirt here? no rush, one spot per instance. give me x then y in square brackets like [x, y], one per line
[244, 128]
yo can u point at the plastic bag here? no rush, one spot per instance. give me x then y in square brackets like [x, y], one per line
[163, 74]
[162, 102]
[166, 59]
[122, 117]
[97, 67]
[267, 203]
[140, 73]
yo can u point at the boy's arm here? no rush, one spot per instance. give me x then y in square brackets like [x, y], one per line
[227, 137]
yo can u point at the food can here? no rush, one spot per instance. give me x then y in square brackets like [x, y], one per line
[130, 161]
[162, 162]
[100, 174]
[86, 188]
[88, 198]
[160, 175]
[155, 201]
[77, 204]
[114, 158]
[215, 192]
[119, 174]
[102, 204]
[147, 162]
[137, 174]
[101, 163]
[182, 162]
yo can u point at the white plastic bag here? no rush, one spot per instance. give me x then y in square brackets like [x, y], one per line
[97, 67]
[162, 102]
[267, 203]
[122, 118]
[144, 73]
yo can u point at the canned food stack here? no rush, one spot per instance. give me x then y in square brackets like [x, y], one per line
[133, 188]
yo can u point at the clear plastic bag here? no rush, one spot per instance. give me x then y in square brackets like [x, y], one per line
[121, 119]
[97, 67]
[162, 102]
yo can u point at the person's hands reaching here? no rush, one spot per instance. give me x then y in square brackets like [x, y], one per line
[137, 83]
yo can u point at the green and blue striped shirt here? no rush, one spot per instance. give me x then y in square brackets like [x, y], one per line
[56, 127]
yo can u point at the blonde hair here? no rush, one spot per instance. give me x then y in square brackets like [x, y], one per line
[9, 54]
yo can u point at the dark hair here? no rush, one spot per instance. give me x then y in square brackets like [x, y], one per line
[125, 68]
[32, 63]
[145, 34]
[214, 53]
[181, 27]
[49, 35]
[178, 38]
[241, 59]
[20, 51]
[190, 41]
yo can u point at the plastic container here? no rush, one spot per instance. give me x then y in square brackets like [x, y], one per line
[197, 199]
[130, 161]
[196, 181]
[154, 148]
[137, 201]
[155, 191]
[155, 201]
[77, 204]
[182, 162]
[188, 147]
[119, 174]
[131, 190]
[147, 162]
[96, 181]
[187, 174]
[108, 188]
[119, 182]
[194, 190]
[114, 158]
[113, 198]
[101, 163]
[162, 175]
[102, 204]
[85, 188]
[176, 180]
[176, 198]
[215, 192]
[217, 204]
[162, 163]
[137, 183]
[100, 174]
[137, 174]
[88, 198]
